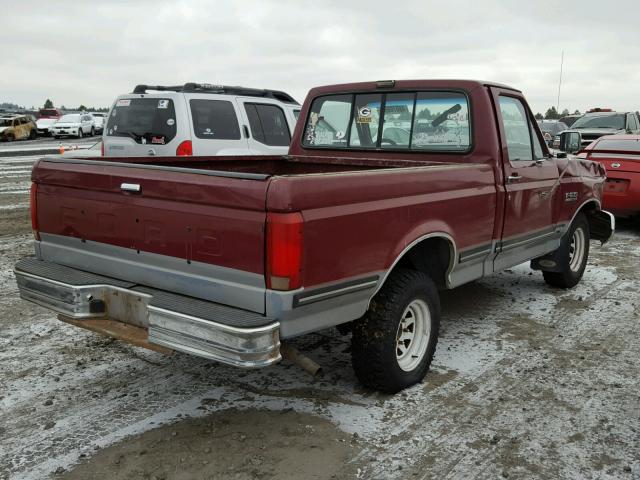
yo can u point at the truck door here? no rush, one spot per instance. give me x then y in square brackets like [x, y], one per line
[529, 179]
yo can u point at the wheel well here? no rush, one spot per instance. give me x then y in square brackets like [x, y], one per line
[431, 256]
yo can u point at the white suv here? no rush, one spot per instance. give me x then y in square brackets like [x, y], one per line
[73, 125]
[200, 119]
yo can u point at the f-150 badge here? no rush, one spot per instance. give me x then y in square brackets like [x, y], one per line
[571, 196]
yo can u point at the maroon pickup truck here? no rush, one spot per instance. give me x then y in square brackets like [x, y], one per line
[391, 191]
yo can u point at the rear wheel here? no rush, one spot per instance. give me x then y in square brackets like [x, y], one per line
[394, 342]
[573, 254]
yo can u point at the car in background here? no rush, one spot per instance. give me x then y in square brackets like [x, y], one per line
[74, 125]
[100, 118]
[620, 155]
[600, 121]
[200, 119]
[569, 120]
[46, 118]
[551, 128]
[17, 127]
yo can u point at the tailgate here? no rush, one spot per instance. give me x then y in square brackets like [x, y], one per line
[198, 233]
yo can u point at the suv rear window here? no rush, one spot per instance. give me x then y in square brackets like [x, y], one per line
[268, 124]
[214, 120]
[145, 120]
[425, 121]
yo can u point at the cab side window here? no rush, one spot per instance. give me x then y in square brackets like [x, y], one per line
[516, 129]
[538, 151]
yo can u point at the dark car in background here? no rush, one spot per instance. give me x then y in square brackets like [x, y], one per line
[569, 120]
[551, 128]
[599, 122]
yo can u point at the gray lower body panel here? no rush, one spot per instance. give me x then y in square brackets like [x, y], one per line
[233, 287]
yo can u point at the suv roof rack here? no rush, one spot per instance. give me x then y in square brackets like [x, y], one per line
[219, 89]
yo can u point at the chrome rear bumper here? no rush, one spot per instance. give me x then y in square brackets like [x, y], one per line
[217, 332]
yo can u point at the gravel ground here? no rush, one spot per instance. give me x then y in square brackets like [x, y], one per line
[527, 382]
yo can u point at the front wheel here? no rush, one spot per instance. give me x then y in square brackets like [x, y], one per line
[573, 255]
[394, 342]
[80, 133]
[33, 134]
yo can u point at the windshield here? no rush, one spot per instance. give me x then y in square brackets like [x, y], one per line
[5, 122]
[70, 118]
[145, 120]
[600, 121]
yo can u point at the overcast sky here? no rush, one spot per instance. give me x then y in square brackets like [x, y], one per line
[85, 52]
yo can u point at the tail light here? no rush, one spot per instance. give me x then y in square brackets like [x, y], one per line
[185, 149]
[284, 251]
[102, 149]
[34, 207]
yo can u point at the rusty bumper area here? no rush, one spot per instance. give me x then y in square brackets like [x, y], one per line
[148, 318]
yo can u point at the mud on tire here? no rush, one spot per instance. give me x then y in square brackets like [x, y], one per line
[394, 342]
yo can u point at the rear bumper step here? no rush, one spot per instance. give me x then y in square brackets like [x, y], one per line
[217, 332]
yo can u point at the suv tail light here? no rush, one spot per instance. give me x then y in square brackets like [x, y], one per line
[102, 149]
[34, 207]
[284, 251]
[185, 149]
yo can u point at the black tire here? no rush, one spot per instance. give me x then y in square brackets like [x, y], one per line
[375, 346]
[572, 271]
[9, 137]
[33, 134]
[80, 133]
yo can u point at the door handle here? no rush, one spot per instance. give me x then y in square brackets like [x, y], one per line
[131, 187]
[514, 177]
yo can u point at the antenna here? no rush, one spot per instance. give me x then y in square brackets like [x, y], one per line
[560, 83]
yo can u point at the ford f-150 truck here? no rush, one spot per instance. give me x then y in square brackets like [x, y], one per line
[391, 190]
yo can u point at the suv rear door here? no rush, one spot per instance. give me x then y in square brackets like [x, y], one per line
[215, 123]
[142, 125]
[270, 125]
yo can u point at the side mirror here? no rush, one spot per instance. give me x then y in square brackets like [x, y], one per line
[570, 142]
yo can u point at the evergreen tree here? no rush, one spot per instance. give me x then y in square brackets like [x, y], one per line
[48, 104]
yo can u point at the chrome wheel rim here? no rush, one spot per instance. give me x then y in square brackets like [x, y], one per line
[413, 334]
[577, 249]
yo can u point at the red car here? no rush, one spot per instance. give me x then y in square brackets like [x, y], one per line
[391, 191]
[620, 154]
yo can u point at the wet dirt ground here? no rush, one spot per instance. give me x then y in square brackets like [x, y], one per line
[527, 382]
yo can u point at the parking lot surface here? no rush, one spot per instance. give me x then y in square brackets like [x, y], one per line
[526, 382]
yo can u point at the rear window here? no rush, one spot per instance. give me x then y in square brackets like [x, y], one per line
[268, 124]
[145, 120]
[615, 144]
[425, 121]
[214, 120]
